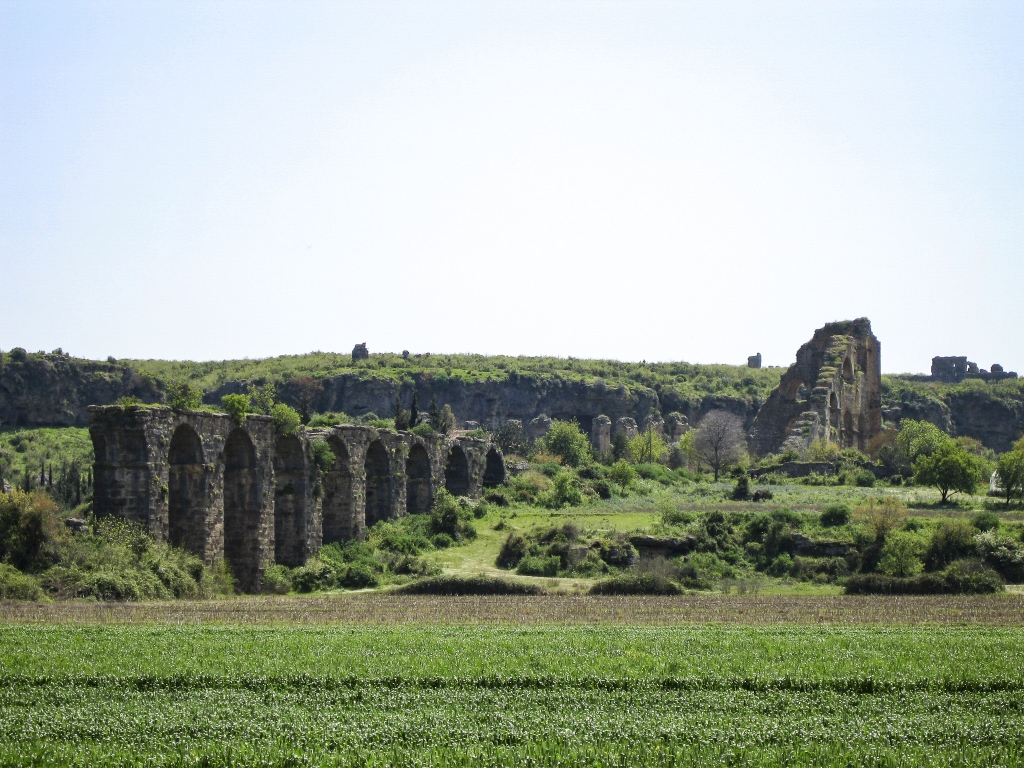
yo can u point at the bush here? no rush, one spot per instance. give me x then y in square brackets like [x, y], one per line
[565, 491]
[985, 521]
[442, 540]
[601, 488]
[864, 479]
[565, 440]
[638, 583]
[15, 585]
[469, 585]
[951, 540]
[622, 473]
[449, 517]
[424, 430]
[958, 579]
[658, 473]
[182, 396]
[742, 490]
[539, 566]
[277, 580]
[237, 407]
[323, 455]
[314, 576]
[286, 419]
[901, 555]
[359, 576]
[513, 550]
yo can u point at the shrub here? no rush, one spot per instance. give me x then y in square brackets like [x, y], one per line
[236, 406]
[314, 576]
[962, 579]
[950, 468]
[638, 583]
[601, 488]
[658, 473]
[182, 396]
[539, 566]
[512, 439]
[15, 585]
[469, 585]
[449, 517]
[286, 419]
[781, 566]
[565, 491]
[277, 580]
[864, 479]
[323, 455]
[424, 430]
[513, 550]
[32, 536]
[359, 576]
[622, 473]
[442, 540]
[742, 490]
[985, 521]
[951, 540]
[565, 440]
[901, 555]
[396, 537]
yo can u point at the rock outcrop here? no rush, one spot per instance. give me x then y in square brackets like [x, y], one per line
[832, 392]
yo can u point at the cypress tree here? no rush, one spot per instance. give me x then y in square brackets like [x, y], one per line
[414, 412]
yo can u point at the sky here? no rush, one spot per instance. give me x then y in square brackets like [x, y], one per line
[637, 180]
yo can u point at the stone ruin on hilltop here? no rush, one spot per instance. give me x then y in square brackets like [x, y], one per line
[832, 392]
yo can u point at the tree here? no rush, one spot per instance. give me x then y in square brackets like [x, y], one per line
[648, 447]
[414, 411]
[286, 419]
[950, 468]
[263, 398]
[182, 396]
[719, 441]
[901, 555]
[914, 440]
[567, 441]
[512, 438]
[307, 388]
[1010, 471]
[434, 414]
[236, 406]
[401, 415]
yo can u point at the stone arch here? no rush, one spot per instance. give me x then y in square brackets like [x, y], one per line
[456, 472]
[494, 470]
[186, 491]
[848, 369]
[291, 494]
[418, 493]
[378, 483]
[338, 524]
[241, 509]
[791, 389]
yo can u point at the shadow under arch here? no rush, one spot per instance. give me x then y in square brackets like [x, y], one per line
[378, 483]
[338, 523]
[291, 497]
[241, 510]
[418, 493]
[456, 472]
[494, 470]
[186, 491]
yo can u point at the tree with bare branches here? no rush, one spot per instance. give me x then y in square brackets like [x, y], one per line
[719, 441]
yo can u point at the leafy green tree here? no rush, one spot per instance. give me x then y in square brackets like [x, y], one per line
[263, 397]
[648, 447]
[1010, 470]
[286, 419]
[949, 468]
[622, 473]
[182, 396]
[914, 440]
[620, 446]
[901, 555]
[402, 418]
[951, 540]
[512, 438]
[567, 441]
[236, 406]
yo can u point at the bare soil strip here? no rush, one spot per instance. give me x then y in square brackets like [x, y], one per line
[377, 609]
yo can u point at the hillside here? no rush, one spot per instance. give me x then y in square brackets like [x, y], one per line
[55, 389]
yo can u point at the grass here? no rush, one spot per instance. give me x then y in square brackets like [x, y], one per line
[503, 696]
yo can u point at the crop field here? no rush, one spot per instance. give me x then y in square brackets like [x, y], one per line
[206, 695]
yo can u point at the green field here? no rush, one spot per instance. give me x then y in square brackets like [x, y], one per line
[584, 695]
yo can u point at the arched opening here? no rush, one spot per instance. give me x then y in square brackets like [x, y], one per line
[791, 389]
[456, 472]
[418, 496]
[848, 369]
[241, 510]
[378, 484]
[290, 502]
[833, 410]
[186, 491]
[338, 524]
[494, 471]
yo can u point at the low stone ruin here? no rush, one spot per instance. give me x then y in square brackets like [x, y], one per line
[832, 392]
[953, 370]
[245, 493]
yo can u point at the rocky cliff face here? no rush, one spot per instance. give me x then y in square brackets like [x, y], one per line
[494, 402]
[54, 390]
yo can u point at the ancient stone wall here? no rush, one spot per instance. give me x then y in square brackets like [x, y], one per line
[833, 392]
[245, 493]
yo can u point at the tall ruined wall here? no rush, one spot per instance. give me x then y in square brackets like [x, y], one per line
[245, 493]
[833, 391]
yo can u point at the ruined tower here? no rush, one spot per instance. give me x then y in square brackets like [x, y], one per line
[833, 391]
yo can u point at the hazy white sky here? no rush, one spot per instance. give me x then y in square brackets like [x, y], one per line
[660, 181]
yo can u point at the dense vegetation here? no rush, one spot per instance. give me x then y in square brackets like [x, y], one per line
[507, 696]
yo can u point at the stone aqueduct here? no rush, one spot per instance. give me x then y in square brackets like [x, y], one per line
[245, 493]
